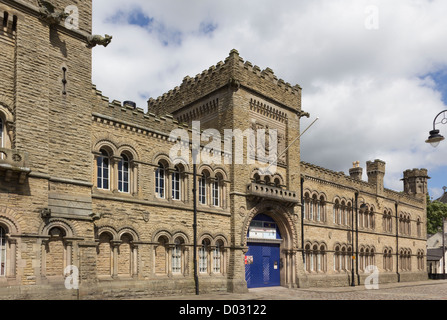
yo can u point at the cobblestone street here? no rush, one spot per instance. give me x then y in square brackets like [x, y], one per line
[424, 290]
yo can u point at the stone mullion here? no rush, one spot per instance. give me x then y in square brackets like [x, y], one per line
[113, 173]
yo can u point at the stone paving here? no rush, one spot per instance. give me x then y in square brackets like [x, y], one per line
[423, 290]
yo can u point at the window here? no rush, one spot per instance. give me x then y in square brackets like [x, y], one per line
[203, 256]
[321, 214]
[420, 257]
[177, 256]
[215, 193]
[336, 210]
[202, 189]
[405, 224]
[217, 257]
[418, 227]
[175, 178]
[277, 183]
[387, 221]
[103, 166]
[160, 181]
[387, 260]
[123, 174]
[405, 259]
[2, 251]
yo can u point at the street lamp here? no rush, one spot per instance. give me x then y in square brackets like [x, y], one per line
[435, 138]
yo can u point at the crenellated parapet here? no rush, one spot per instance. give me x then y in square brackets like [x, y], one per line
[128, 116]
[234, 73]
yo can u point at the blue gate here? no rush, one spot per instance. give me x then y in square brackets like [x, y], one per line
[262, 260]
[262, 265]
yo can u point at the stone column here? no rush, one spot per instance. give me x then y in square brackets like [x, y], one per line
[115, 246]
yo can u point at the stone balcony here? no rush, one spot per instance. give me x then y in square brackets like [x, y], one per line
[257, 191]
[13, 165]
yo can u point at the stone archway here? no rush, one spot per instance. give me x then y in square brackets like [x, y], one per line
[286, 223]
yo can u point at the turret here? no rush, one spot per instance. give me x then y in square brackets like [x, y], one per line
[415, 182]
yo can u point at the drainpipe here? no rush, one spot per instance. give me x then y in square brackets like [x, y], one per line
[302, 218]
[357, 238]
[397, 243]
[194, 226]
[354, 209]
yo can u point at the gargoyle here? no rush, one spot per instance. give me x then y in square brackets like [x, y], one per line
[94, 40]
[50, 15]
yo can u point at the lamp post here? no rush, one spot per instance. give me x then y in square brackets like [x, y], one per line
[435, 138]
[443, 249]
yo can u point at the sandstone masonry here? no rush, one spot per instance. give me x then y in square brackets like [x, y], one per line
[88, 182]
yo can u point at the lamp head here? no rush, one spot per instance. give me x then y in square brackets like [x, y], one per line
[435, 138]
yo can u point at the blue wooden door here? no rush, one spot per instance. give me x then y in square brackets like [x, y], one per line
[262, 265]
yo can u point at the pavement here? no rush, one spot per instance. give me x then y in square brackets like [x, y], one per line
[422, 290]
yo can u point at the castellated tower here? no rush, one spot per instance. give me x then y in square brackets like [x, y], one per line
[415, 182]
[376, 172]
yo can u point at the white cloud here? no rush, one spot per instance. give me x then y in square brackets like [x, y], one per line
[369, 87]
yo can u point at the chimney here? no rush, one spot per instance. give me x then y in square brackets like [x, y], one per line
[376, 171]
[356, 172]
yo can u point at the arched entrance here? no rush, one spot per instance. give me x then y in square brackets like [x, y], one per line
[262, 260]
[278, 236]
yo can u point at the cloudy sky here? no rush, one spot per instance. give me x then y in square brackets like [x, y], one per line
[374, 72]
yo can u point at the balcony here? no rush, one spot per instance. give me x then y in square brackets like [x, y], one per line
[13, 165]
[257, 191]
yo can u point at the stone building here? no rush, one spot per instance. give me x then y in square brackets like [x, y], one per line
[88, 190]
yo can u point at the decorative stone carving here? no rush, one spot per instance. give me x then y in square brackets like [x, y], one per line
[94, 40]
[50, 14]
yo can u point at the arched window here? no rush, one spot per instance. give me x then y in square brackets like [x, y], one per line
[176, 184]
[387, 221]
[418, 227]
[323, 261]
[202, 188]
[336, 210]
[307, 205]
[362, 259]
[217, 257]
[177, 255]
[267, 180]
[277, 183]
[215, 192]
[420, 260]
[349, 258]
[349, 214]
[203, 256]
[308, 258]
[103, 172]
[160, 181]
[337, 258]
[342, 213]
[315, 258]
[2, 251]
[321, 215]
[123, 174]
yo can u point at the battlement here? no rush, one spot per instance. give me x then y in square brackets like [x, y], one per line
[325, 175]
[233, 72]
[131, 116]
[416, 173]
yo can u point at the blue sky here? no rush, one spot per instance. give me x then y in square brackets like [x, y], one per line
[374, 72]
